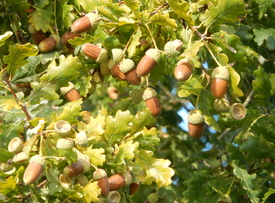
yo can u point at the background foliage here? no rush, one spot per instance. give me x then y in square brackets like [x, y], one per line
[227, 164]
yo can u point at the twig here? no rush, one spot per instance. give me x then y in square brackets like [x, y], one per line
[248, 98]
[160, 7]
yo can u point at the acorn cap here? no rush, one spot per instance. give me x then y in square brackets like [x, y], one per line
[127, 177]
[173, 48]
[85, 163]
[62, 128]
[111, 63]
[99, 173]
[237, 111]
[117, 55]
[38, 159]
[103, 56]
[94, 18]
[15, 145]
[154, 54]
[126, 65]
[81, 139]
[195, 117]
[65, 181]
[65, 90]
[186, 60]
[113, 197]
[221, 72]
[63, 143]
[56, 38]
[20, 157]
[149, 93]
[221, 105]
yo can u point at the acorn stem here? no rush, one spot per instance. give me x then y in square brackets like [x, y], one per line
[151, 35]
[210, 51]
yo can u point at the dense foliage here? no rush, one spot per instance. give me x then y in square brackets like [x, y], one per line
[105, 123]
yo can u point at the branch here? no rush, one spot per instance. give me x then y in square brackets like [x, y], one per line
[160, 7]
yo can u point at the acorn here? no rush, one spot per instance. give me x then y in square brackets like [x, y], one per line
[115, 70]
[173, 48]
[64, 181]
[21, 157]
[23, 85]
[221, 105]
[95, 52]
[133, 188]
[148, 62]
[85, 23]
[152, 101]
[37, 35]
[118, 55]
[70, 92]
[127, 66]
[15, 145]
[136, 95]
[34, 169]
[219, 82]
[97, 76]
[195, 123]
[63, 128]
[5, 167]
[76, 168]
[63, 143]
[114, 197]
[237, 111]
[105, 71]
[82, 180]
[113, 93]
[119, 180]
[183, 70]
[49, 43]
[68, 35]
[30, 10]
[81, 139]
[101, 177]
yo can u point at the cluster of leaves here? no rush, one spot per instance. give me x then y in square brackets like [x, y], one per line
[233, 161]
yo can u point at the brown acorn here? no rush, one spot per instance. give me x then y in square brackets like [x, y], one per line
[76, 168]
[68, 35]
[70, 92]
[148, 62]
[91, 50]
[133, 188]
[219, 82]
[49, 43]
[37, 35]
[195, 123]
[113, 93]
[119, 180]
[100, 176]
[183, 70]
[34, 169]
[23, 85]
[30, 10]
[152, 101]
[115, 70]
[127, 66]
[85, 23]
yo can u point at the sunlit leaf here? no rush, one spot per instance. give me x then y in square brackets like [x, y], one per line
[126, 151]
[43, 19]
[4, 37]
[224, 12]
[193, 50]
[267, 194]
[134, 43]
[97, 157]
[81, 40]
[163, 19]
[247, 182]
[181, 9]
[17, 56]
[88, 5]
[91, 191]
[234, 82]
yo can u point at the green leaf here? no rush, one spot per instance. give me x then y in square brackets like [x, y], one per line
[97, 157]
[4, 37]
[272, 82]
[141, 119]
[163, 19]
[234, 82]
[247, 182]
[261, 86]
[17, 56]
[267, 194]
[191, 86]
[182, 9]
[41, 3]
[134, 43]
[88, 5]
[133, 5]
[9, 186]
[265, 35]
[43, 19]
[193, 50]
[117, 127]
[148, 139]
[26, 74]
[263, 6]
[56, 76]
[66, 15]
[81, 40]
[224, 12]
[126, 151]
[5, 155]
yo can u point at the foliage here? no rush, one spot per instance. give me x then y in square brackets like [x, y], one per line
[232, 162]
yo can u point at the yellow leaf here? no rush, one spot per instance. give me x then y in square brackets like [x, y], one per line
[91, 191]
[9, 104]
[96, 156]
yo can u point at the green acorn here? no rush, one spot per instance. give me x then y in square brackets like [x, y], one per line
[173, 48]
[105, 71]
[219, 82]
[76, 168]
[85, 23]
[221, 105]
[148, 62]
[81, 139]
[152, 101]
[49, 43]
[34, 169]
[15, 145]
[21, 157]
[195, 123]
[136, 95]
[64, 143]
